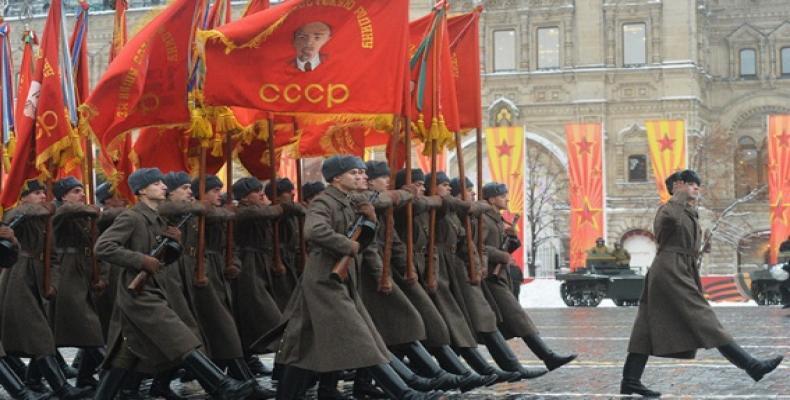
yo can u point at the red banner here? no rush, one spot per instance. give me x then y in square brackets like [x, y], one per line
[779, 181]
[464, 33]
[505, 147]
[585, 194]
[256, 5]
[119, 29]
[434, 105]
[300, 58]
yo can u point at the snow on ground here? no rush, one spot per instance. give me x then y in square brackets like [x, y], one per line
[545, 293]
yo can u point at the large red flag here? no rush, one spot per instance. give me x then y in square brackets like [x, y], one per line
[434, 110]
[26, 69]
[79, 52]
[47, 140]
[256, 5]
[119, 29]
[464, 33]
[153, 143]
[778, 181]
[585, 175]
[146, 84]
[299, 58]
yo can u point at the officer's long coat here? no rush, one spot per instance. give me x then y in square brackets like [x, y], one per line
[396, 319]
[152, 330]
[23, 310]
[74, 318]
[513, 320]
[674, 319]
[254, 308]
[328, 327]
[106, 299]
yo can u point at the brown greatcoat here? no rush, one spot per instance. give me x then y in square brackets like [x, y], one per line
[513, 319]
[143, 322]
[178, 278]
[674, 319]
[74, 317]
[213, 302]
[447, 293]
[282, 286]
[436, 330]
[470, 297]
[24, 327]
[328, 327]
[254, 309]
[396, 319]
[105, 300]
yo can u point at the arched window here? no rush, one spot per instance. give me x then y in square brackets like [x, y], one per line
[747, 166]
[748, 62]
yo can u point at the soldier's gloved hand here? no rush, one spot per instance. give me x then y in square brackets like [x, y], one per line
[288, 207]
[411, 188]
[173, 233]
[511, 231]
[100, 286]
[151, 264]
[367, 210]
[50, 293]
[279, 209]
[232, 272]
[7, 233]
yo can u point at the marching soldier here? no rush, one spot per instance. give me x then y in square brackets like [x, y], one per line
[254, 309]
[290, 243]
[112, 206]
[213, 301]
[8, 378]
[499, 243]
[75, 321]
[310, 190]
[471, 297]
[146, 334]
[326, 325]
[438, 339]
[24, 327]
[674, 319]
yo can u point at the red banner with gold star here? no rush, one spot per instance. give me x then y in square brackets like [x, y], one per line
[667, 142]
[779, 181]
[505, 147]
[585, 194]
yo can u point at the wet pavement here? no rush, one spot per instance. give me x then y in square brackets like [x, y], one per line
[600, 337]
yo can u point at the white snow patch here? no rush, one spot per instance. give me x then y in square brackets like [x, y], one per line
[545, 293]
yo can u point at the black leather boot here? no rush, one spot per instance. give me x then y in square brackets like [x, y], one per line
[90, 360]
[49, 368]
[160, 387]
[257, 366]
[19, 367]
[395, 387]
[327, 387]
[632, 376]
[239, 369]
[413, 380]
[482, 367]
[33, 378]
[505, 358]
[130, 387]
[743, 360]
[450, 362]
[551, 359]
[293, 382]
[68, 371]
[421, 362]
[364, 388]
[13, 385]
[110, 383]
[217, 385]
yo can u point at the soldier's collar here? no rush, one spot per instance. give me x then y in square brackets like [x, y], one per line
[149, 213]
[338, 194]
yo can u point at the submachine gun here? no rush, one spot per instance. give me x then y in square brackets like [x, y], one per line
[363, 231]
[167, 250]
[9, 253]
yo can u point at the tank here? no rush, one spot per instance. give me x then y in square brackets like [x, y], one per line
[764, 287]
[601, 278]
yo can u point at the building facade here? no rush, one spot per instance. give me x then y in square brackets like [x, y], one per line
[720, 65]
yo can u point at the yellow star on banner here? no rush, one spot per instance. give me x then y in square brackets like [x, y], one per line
[587, 213]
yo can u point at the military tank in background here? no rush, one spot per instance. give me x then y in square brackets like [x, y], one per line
[601, 278]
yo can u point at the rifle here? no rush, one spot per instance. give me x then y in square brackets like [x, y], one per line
[167, 248]
[506, 243]
[340, 270]
[385, 282]
[8, 252]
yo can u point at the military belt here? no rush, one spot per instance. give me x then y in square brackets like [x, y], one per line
[86, 251]
[27, 254]
[679, 250]
[251, 249]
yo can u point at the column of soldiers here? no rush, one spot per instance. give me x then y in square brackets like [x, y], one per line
[193, 287]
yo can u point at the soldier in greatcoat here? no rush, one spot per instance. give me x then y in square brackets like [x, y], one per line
[111, 205]
[470, 295]
[438, 339]
[447, 295]
[498, 243]
[24, 327]
[327, 327]
[146, 334]
[212, 299]
[254, 308]
[74, 317]
[9, 380]
[290, 224]
[674, 319]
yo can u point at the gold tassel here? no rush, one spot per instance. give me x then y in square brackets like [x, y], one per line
[216, 149]
[200, 127]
